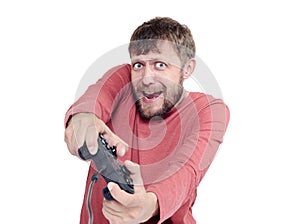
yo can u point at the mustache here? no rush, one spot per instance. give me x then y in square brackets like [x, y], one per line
[150, 90]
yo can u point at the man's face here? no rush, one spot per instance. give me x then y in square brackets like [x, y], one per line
[156, 80]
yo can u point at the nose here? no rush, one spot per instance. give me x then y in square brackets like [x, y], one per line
[148, 76]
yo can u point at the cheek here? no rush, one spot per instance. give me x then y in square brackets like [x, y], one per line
[137, 73]
[135, 79]
[134, 76]
[172, 77]
[170, 82]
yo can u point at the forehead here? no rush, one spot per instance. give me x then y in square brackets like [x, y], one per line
[163, 50]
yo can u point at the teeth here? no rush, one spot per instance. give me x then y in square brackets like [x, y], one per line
[151, 95]
[148, 93]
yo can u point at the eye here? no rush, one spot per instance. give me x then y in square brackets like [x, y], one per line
[137, 66]
[160, 65]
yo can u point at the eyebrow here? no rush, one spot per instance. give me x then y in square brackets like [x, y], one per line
[137, 59]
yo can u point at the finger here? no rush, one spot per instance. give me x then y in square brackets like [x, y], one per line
[67, 138]
[121, 196]
[91, 137]
[78, 136]
[135, 171]
[114, 140]
[75, 134]
[70, 140]
[113, 207]
[111, 213]
[77, 141]
[85, 130]
[111, 138]
[122, 148]
[102, 127]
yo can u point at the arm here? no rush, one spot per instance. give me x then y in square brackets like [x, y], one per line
[177, 193]
[88, 116]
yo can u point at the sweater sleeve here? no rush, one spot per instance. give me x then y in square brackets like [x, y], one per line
[177, 193]
[101, 97]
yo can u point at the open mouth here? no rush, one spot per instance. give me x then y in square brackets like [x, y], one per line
[150, 97]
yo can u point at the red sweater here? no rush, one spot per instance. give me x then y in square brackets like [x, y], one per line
[174, 152]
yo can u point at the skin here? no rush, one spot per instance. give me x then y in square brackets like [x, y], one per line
[130, 208]
[157, 79]
[86, 127]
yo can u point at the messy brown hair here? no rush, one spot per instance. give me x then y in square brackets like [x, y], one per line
[145, 37]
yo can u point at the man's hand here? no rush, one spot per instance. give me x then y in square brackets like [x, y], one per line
[86, 127]
[130, 208]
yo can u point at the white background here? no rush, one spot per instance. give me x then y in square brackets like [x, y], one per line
[251, 47]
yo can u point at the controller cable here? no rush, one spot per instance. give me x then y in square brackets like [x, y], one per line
[94, 178]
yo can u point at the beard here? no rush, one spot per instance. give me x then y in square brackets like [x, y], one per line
[169, 102]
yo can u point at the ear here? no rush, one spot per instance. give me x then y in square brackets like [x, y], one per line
[189, 68]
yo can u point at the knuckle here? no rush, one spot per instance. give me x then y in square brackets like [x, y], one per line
[73, 152]
[103, 211]
[68, 132]
[66, 138]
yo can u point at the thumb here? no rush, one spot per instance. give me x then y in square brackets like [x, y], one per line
[135, 171]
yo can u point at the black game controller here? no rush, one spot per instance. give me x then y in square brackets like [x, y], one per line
[108, 166]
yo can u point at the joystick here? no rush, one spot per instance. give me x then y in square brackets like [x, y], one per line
[108, 166]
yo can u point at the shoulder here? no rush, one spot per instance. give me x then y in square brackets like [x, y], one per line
[124, 68]
[203, 100]
[118, 73]
[208, 105]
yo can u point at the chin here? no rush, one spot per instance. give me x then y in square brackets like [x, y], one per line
[150, 113]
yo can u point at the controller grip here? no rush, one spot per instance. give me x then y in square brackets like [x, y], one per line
[84, 153]
[107, 195]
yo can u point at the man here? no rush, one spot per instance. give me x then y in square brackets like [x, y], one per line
[166, 137]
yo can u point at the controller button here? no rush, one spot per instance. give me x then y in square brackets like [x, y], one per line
[125, 170]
